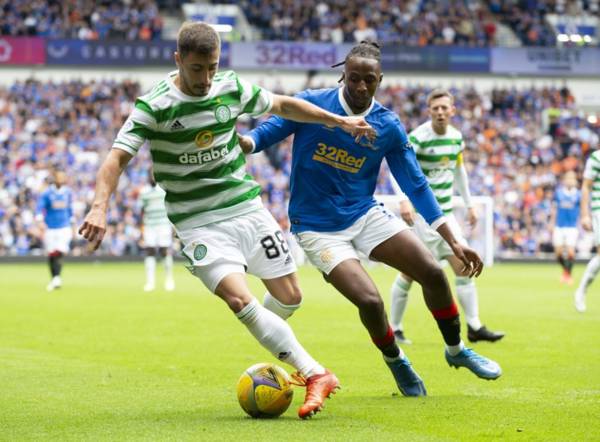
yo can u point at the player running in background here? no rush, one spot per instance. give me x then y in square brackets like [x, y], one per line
[157, 234]
[334, 215]
[189, 121]
[55, 216]
[590, 197]
[440, 151]
[563, 218]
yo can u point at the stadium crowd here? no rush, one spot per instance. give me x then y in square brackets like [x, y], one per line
[461, 22]
[518, 143]
[81, 19]
[410, 23]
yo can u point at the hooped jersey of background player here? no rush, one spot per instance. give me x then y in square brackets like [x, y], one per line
[333, 178]
[592, 172]
[157, 228]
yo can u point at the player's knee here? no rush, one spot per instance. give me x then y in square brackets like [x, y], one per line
[236, 302]
[371, 301]
[150, 251]
[162, 252]
[434, 277]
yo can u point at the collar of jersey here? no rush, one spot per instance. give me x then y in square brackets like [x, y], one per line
[347, 108]
[179, 92]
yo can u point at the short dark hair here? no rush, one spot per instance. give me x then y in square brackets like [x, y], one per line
[439, 93]
[197, 37]
[365, 49]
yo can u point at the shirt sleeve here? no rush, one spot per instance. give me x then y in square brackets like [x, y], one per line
[137, 128]
[272, 131]
[254, 100]
[403, 164]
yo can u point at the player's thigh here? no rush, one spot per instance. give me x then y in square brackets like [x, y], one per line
[407, 253]
[351, 279]
[212, 253]
[265, 248]
[326, 250]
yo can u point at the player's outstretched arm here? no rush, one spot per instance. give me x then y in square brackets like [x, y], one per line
[304, 112]
[107, 178]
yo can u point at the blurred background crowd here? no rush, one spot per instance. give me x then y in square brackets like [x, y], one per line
[407, 22]
[518, 144]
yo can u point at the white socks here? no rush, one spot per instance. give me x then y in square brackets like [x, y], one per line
[399, 299]
[589, 275]
[150, 263]
[284, 311]
[169, 267]
[467, 296]
[276, 336]
[453, 350]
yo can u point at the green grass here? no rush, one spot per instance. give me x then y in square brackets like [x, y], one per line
[102, 360]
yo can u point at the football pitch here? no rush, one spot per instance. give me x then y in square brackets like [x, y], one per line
[102, 360]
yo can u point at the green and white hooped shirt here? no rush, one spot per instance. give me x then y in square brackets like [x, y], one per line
[592, 172]
[195, 151]
[438, 156]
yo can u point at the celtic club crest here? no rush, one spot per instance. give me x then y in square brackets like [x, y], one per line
[223, 113]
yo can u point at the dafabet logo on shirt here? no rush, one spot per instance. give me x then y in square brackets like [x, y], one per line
[338, 158]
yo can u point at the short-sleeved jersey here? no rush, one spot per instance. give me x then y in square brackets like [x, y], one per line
[567, 206]
[153, 206]
[438, 155]
[56, 206]
[333, 177]
[592, 172]
[195, 151]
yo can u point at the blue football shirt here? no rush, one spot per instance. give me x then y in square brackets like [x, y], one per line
[333, 178]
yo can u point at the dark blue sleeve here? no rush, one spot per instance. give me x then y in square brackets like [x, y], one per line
[402, 161]
[272, 131]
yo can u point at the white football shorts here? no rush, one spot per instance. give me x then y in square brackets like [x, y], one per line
[565, 236]
[158, 236]
[58, 240]
[596, 227]
[251, 243]
[438, 247]
[328, 249]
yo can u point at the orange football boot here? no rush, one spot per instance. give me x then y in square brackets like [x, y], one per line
[318, 388]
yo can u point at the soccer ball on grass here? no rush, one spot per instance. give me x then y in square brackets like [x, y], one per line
[264, 390]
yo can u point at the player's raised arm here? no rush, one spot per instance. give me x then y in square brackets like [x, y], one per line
[304, 112]
[107, 178]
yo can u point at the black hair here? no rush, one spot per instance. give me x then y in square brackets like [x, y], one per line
[365, 49]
